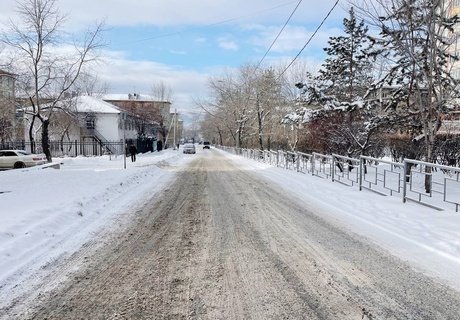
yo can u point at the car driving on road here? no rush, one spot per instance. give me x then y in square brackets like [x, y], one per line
[189, 148]
[206, 145]
[15, 159]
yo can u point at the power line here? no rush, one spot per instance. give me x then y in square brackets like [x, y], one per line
[285, 24]
[311, 37]
[213, 24]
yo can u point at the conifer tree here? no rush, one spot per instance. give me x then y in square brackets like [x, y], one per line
[339, 91]
[347, 71]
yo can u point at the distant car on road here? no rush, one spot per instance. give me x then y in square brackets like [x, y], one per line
[189, 148]
[15, 159]
[206, 145]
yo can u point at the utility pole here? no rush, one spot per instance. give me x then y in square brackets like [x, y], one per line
[123, 119]
[175, 123]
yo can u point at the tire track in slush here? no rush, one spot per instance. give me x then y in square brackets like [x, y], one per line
[155, 237]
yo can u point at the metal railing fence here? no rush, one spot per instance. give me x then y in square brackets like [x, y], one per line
[71, 149]
[304, 162]
[321, 165]
[381, 176]
[429, 184]
[345, 170]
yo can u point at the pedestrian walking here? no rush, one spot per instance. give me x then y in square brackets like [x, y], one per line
[132, 150]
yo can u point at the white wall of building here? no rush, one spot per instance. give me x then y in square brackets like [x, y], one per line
[107, 125]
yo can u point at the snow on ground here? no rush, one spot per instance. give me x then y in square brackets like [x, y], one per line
[47, 214]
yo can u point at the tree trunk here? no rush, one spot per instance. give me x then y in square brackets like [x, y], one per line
[238, 141]
[261, 142]
[428, 179]
[259, 124]
[365, 166]
[220, 136]
[31, 135]
[429, 154]
[408, 171]
[45, 140]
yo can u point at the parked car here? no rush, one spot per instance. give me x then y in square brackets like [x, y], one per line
[206, 145]
[189, 148]
[15, 159]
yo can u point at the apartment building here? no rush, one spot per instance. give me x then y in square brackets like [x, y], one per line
[157, 120]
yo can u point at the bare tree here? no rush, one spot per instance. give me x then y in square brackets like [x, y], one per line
[44, 75]
[90, 85]
[232, 96]
[294, 112]
[267, 100]
[162, 92]
[247, 107]
[212, 125]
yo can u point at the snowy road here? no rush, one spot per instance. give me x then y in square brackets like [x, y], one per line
[222, 243]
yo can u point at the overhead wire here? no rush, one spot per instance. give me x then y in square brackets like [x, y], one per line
[279, 33]
[215, 23]
[276, 38]
[309, 40]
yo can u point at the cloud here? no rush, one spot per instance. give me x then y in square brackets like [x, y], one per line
[201, 40]
[179, 52]
[227, 44]
[181, 12]
[291, 39]
[124, 76]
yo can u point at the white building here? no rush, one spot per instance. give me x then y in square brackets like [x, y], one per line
[91, 118]
[86, 125]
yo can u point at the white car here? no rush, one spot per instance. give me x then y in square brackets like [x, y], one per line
[14, 159]
[189, 148]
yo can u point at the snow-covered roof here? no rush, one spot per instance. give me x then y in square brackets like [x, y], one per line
[83, 104]
[129, 97]
[92, 104]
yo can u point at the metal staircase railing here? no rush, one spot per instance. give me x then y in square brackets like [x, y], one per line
[97, 136]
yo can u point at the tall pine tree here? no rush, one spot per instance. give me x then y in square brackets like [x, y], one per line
[347, 71]
[339, 91]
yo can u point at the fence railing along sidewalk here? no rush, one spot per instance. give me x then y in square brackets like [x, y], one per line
[409, 179]
[71, 148]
